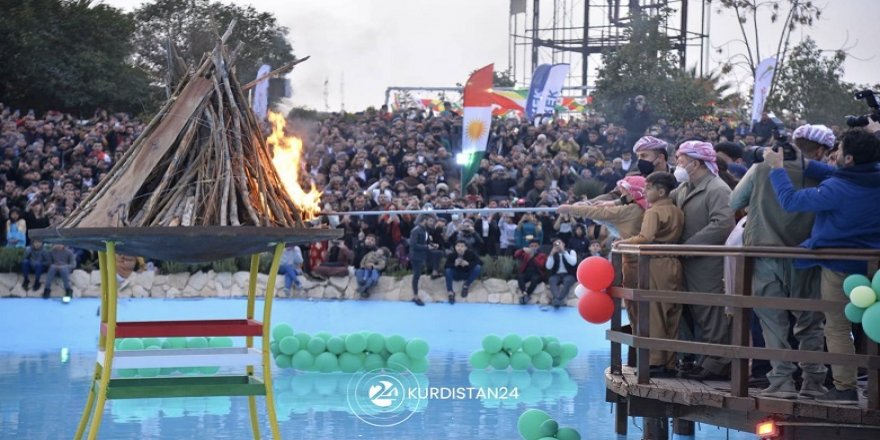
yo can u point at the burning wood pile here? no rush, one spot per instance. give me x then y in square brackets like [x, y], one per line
[203, 161]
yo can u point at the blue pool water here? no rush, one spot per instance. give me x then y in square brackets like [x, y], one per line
[48, 352]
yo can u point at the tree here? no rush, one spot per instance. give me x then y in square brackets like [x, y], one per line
[811, 86]
[194, 26]
[502, 79]
[749, 12]
[68, 55]
[648, 66]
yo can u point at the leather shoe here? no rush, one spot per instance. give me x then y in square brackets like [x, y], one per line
[418, 301]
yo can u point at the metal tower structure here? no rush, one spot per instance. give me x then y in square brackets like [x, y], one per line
[578, 31]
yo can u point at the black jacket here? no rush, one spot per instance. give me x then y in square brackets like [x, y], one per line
[469, 255]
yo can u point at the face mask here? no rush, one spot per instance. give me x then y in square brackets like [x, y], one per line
[681, 174]
[645, 167]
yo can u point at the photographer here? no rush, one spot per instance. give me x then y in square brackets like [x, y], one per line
[562, 266]
[462, 264]
[847, 208]
[769, 225]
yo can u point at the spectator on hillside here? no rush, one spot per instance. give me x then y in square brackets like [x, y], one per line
[422, 252]
[462, 264]
[291, 268]
[336, 260]
[579, 242]
[562, 266]
[36, 260]
[371, 266]
[528, 226]
[732, 154]
[530, 272]
[16, 230]
[636, 119]
[61, 262]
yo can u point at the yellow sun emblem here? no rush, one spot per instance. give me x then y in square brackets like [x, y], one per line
[475, 129]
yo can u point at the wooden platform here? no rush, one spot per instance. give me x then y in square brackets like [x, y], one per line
[710, 402]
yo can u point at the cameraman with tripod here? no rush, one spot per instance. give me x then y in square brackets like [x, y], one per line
[769, 225]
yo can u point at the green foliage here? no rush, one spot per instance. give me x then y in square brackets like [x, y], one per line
[68, 55]
[811, 86]
[503, 79]
[498, 267]
[10, 259]
[649, 66]
[193, 27]
[394, 269]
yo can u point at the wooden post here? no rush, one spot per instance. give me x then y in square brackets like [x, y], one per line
[872, 350]
[682, 427]
[739, 374]
[621, 415]
[656, 428]
[643, 313]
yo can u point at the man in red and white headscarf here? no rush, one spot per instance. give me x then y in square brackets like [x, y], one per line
[708, 220]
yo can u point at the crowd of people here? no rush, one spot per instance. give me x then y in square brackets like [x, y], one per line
[593, 183]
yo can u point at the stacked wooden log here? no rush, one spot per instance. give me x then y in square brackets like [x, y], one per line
[202, 160]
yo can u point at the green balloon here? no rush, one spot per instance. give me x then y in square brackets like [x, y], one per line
[418, 365]
[326, 362]
[151, 342]
[398, 362]
[549, 428]
[480, 360]
[284, 360]
[199, 342]
[512, 343]
[875, 282]
[131, 344]
[316, 346]
[323, 335]
[853, 281]
[349, 363]
[520, 361]
[176, 343]
[220, 342]
[500, 361]
[554, 348]
[375, 343]
[395, 344]
[529, 423]
[355, 343]
[853, 313]
[569, 351]
[289, 345]
[280, 331]
[167, 371]
[492, 344]
[416, 348]
[568, 434]
[336, 345]
[303, 360]
[863, 296]
[304, 339]
[273, 348]
[148, 372]
[542, 361]
[532, 345]
[871, 322]
[374, 361]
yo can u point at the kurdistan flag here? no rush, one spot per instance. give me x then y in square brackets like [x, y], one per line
[477, 121]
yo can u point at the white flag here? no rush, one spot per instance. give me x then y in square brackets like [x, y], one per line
[763, 79]
[261, 93]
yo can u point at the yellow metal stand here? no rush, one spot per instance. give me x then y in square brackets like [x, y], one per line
[102, 388]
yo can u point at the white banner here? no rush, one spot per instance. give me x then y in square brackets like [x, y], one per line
[546, 91]
[763, 78]
[261, 93]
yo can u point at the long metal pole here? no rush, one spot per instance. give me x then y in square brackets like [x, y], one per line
[443, 211]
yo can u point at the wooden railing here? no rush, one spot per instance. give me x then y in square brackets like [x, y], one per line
[741, 303]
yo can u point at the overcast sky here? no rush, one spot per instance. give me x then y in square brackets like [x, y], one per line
[371, 44]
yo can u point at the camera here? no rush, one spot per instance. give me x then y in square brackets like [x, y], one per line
[755, 154]
[871, 99]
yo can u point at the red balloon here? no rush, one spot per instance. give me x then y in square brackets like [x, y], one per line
[595, 273]
[596, 307]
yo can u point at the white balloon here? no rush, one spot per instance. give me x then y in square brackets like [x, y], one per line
[580, 291]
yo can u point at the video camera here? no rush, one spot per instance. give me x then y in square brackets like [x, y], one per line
[871, 99]
[755, 154]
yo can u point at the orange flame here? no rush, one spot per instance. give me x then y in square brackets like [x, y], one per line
[287, 157]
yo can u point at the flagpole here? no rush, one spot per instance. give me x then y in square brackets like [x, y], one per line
[442, 211]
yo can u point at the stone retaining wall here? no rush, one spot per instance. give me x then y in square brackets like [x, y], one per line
[234, 285]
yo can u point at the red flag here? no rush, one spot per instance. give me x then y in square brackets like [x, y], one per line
[478, 89]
